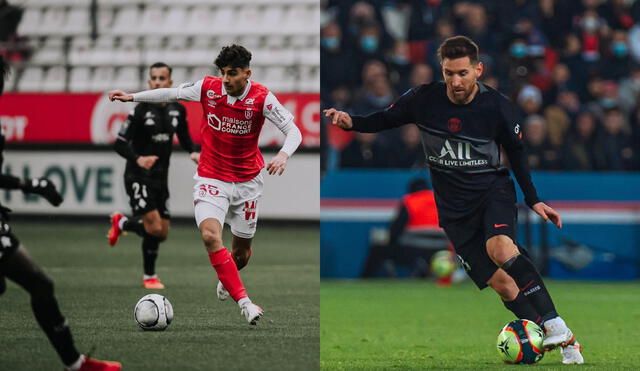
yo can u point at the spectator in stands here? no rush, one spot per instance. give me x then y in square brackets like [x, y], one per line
[399, 66]
[629, 91]
[530, 100]
[364, 151]
[560, 81]
[617, 62]
[614, 143]
[335, 66]
[579, 150]
[421, 73]
[378, 95]
[540, 153]
[409, 154]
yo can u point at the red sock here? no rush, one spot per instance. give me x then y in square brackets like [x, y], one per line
[224, 265]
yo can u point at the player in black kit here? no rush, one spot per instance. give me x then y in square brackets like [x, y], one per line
[146, 141]
[463, 125]
[18, 266]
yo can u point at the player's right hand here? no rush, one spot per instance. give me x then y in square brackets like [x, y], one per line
[120, 95]
[339, 118]
[146, 162]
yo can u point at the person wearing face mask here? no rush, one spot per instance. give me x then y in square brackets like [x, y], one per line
[334, 67]
[617, 61]
[400, 66]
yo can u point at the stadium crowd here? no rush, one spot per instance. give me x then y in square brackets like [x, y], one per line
[572, 67]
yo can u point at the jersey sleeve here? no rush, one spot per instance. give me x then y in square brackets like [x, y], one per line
[189, 91]
[127, 131]
[283, 120]
[182, 130]
[511, 140]
[398, 114]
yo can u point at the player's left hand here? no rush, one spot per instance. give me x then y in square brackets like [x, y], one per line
[195, 157]
[547, 213]
[277, 164]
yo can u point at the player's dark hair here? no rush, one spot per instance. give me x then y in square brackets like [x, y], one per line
[234, 56]
[161, 65]
[4, 71]
[458, 47]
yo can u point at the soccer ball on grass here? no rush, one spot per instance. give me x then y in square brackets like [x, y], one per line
[520, 341]
[153, 312]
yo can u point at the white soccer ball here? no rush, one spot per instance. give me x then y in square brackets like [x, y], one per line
[153, 312]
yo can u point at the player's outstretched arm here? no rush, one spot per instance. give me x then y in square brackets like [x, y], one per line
[339, 118]
[547, 213]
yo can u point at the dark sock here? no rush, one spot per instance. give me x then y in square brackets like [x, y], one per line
[529, 281]
[150, 246]
[55, 326]
[135, 226]
[522, 308]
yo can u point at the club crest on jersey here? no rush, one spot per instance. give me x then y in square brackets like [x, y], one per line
[210, 94]
[248, 114]
[454, 124]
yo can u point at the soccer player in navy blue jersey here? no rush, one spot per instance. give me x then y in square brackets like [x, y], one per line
[464, 124]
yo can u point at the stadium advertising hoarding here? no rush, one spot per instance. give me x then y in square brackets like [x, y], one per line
[92, 118]
[91, 183]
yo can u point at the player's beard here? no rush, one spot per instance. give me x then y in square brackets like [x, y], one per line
[462, 97]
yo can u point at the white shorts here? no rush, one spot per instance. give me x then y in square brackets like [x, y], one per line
[233, 203]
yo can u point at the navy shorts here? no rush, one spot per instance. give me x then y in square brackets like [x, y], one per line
[147, 196]
[496, 216]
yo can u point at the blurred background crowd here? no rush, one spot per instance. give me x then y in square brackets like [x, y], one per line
[572, 68]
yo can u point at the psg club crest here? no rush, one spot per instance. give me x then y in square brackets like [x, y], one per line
[454, 124]
[248, 114]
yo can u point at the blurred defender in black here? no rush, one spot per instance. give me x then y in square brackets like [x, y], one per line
[18, 266]
[463, 124]
[146, 141]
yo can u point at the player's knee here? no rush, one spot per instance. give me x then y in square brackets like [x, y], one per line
[212, 241]
[501, 249]
[155, 229]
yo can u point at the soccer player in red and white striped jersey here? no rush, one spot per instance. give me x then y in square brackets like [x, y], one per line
[228, 181]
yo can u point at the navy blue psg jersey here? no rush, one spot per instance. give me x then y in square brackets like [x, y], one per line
[461, 144]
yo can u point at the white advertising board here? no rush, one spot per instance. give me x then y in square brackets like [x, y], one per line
[91, 183]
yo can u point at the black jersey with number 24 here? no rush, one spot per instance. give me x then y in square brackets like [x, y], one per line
[461, 144]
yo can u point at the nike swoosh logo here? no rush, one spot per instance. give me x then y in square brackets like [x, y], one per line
[500, 225]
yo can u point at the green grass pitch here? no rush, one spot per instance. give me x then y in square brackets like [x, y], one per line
[97, 287]
[415, 325]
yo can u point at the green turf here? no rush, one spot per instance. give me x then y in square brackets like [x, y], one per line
[405, 324]
[97, 287]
